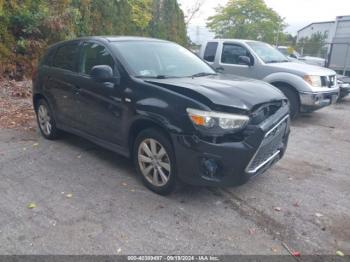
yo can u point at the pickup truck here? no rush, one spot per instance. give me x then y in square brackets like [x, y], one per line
[308, 88]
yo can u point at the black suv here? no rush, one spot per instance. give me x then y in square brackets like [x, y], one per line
[161, 105]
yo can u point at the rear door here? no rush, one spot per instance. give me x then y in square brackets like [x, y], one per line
[100, 103]
[59, 84]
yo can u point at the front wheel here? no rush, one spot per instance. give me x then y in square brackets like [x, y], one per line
[293, 98]
[155, 161]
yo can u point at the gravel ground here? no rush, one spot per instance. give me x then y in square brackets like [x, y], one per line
[89, 200]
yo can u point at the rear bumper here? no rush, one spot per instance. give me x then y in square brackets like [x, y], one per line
[207, 164]
[310, 101]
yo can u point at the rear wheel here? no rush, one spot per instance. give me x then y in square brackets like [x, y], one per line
[155, 161]
[293, 98]
[46, 121]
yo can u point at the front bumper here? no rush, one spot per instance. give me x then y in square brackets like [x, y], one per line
[209, 164]
[311, 101]
[344, 90]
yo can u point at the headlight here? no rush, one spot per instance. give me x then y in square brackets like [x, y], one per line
[212, 120]
[313, 80]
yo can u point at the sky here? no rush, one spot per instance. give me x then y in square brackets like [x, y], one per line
[297, 13]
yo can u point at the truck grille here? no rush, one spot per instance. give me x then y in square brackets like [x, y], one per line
[269, 148]
[328, 81]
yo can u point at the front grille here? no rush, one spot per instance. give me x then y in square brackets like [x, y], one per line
[265, 111]
[328, 81]
[269, 148]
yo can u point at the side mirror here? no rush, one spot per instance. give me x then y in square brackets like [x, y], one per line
[245, 60]
[102, 73]
[293, 56]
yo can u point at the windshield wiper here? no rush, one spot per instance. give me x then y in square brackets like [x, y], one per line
[203, 74]
[155, 77]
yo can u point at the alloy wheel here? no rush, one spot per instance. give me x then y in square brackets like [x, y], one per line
[154, 162]
[44, 119]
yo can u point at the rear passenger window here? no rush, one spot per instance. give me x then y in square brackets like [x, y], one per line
[231, 53]
[210, 51]
[94, 54]
[66, 57]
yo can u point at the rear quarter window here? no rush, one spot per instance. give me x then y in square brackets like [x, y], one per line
[66, 57]
[210, 51]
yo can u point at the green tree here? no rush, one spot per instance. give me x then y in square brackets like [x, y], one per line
[27, 27]
[168, 21]
[247, 19]
[287, 39]
[314, 45]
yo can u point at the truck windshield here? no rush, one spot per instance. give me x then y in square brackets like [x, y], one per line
[267, 53]
[153, 59]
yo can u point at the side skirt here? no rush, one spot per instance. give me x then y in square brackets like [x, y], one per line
[110, 146]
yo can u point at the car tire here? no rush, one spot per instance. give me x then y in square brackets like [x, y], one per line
[293, 99]
[46, 121]
[154, 160]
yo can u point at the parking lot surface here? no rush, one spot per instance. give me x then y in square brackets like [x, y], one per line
[87, 200]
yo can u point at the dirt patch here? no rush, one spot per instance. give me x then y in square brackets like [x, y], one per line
[16, 110]
[302, 169]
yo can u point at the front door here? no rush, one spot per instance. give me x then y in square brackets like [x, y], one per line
[101, 105]
[230, 63]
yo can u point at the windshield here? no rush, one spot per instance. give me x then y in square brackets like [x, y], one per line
[267, 53]
[161, 60]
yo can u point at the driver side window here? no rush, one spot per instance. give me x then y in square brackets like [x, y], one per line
[231, 53]
[94, 54]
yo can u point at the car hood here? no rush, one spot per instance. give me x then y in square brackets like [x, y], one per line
[223, 90]
[314, 58]
[302, 69]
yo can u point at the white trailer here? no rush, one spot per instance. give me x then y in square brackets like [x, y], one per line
[339, 49]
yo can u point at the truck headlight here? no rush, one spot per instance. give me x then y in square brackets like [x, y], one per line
[313, 80]
[209, 120]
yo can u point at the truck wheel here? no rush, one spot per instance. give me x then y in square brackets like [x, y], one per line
[46, 121]
[294, 103]
[154, 159]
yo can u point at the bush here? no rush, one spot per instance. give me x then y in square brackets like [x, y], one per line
[27, 27]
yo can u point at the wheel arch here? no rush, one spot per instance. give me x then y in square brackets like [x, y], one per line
[281, 84]
[36, 98]
[142, 124]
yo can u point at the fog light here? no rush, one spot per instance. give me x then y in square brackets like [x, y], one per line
[210, 167]
[317, 100]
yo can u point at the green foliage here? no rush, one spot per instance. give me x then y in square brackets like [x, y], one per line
[314, 45]
[140, 13]
[28, 26]
[168, 21]
[247, 19]
[286, 39]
